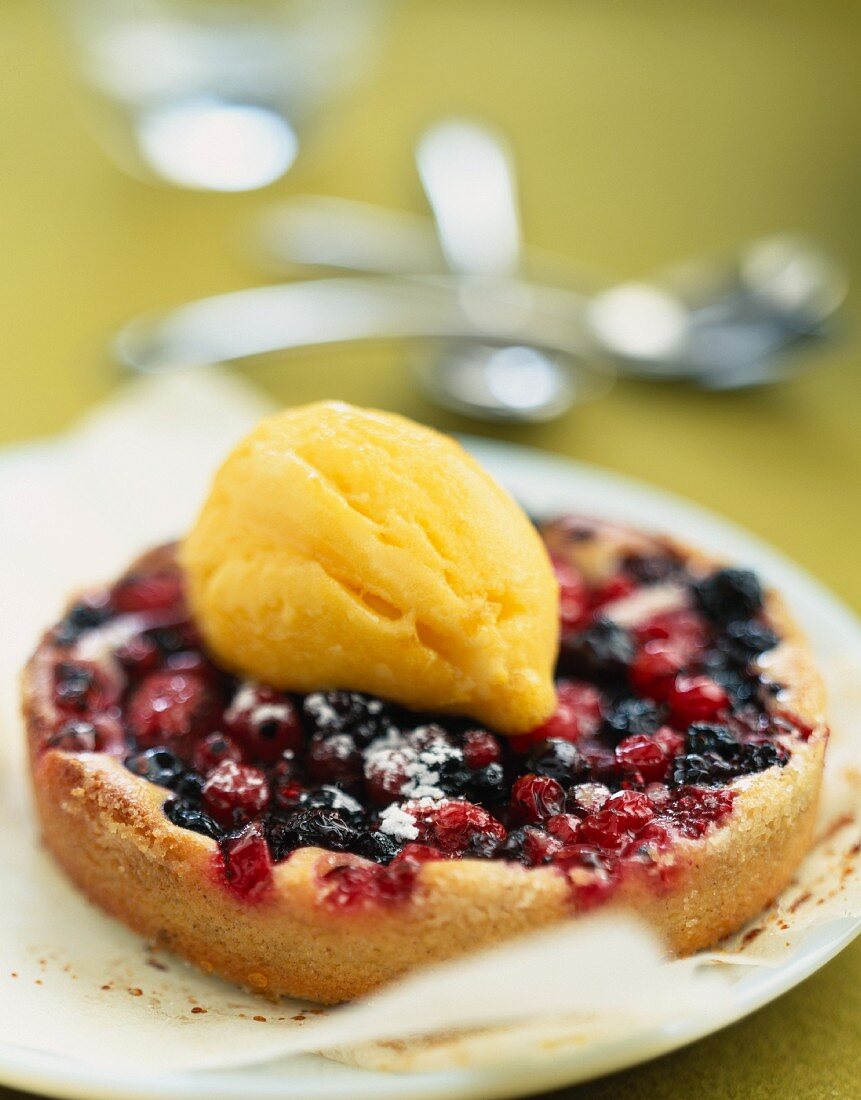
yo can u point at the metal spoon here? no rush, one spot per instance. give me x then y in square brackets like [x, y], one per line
[468, 177]
[717, 323]
[273, 319]
[516, 350]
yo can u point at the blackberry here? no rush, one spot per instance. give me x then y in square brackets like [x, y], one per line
[165, 769]
[652, 568]
[758, 757]
[361, 716]
[170, 639]
[512, 847]
[487, 785]
[187, 817]
[455, 778]
[333, 798]
[378, 847]
[159, 766]
[558, 759]
[482, 846]
[603, 651]
[702, 770]
[189, 786]
[746, 639]
[74, 683]
[731, 674]
[703, 738]
[741, 688]
[630, 715]
[80, 618]
[728, 595]
[311, 827]
[75, 736]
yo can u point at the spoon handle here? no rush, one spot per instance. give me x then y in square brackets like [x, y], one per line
[467, 173]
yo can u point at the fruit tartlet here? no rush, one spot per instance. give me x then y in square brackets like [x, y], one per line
[319, 838]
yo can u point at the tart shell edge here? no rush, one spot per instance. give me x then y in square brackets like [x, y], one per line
[105, 827]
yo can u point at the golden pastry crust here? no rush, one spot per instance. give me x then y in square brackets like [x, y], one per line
[106, 829]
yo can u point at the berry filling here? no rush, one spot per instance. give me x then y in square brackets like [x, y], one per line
[661, 707]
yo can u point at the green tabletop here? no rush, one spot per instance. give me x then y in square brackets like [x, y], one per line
[644, 133]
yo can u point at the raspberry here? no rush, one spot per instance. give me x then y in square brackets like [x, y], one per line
[99, 734]
[685, 630]
[616, 587]
[587, 798]
[606, 830]
[694, 810]
[386, 773]
[362, 884]
[634, 808]
[623, 815]
[538, 847]
[670, 740]
[139, 654]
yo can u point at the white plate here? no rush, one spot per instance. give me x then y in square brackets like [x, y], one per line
[544, 484]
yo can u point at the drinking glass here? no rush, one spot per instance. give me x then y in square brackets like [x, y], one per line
[216, 94]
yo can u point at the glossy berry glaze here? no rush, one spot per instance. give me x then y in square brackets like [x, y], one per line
[661, 707]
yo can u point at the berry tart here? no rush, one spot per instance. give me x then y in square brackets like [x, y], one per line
[319, 840]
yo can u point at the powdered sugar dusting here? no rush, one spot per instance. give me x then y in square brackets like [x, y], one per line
[643, 604]
[270, 712]
[100, 644]
[339, 800]
[320, 709]
[424, 772]
[243, 701]
[393, 755]
[245, 704]
[397, 823]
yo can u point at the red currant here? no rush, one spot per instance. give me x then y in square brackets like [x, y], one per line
[534, 798]
[152, 592]
[234, 793]
[480, 748]
[246, 862]
[573, 596]
[696, 699]
[643, 757]
[171, 707]
[264, 721]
